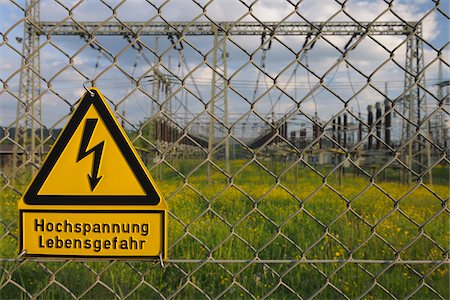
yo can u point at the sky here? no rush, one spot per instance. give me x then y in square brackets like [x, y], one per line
[252, 81]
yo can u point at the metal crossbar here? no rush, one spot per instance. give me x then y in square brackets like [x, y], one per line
[299, 158]
[231, 28]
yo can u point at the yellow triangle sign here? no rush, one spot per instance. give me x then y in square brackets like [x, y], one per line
[92, 163]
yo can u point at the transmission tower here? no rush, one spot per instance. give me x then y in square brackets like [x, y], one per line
[28, 137]
[415, 125]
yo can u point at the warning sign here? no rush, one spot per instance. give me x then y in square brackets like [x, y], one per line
[92, 160]
[90, 233]
[93, 196]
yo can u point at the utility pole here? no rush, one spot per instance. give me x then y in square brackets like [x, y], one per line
[218, 105]
[212, 102]
[28, 138]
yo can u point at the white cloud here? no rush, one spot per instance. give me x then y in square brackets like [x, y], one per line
[367, 56]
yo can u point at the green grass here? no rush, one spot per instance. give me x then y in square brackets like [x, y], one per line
[274, 216]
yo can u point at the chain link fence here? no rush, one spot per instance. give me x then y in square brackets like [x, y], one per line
[302, 147]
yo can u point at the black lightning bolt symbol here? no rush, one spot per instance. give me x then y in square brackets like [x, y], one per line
[98, 149]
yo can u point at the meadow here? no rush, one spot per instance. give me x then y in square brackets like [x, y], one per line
[269, 212]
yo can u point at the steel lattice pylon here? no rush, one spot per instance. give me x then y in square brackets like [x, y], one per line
[218, 105]
[418, 156]
[28, 137]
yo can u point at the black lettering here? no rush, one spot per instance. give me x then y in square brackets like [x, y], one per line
[133, 244]
[96, 228]
[115, 228]
[124, 244]
[86, 228]
[49, 226]
[67, 226]
[50, 243]
[106, 228]
[39, 225]
[107, 244]
[59, 242]
[144, 229]
[126, 227]
[135, 228]
[76, 243]
[97, 245]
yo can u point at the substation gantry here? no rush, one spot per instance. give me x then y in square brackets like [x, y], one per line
[29, 128]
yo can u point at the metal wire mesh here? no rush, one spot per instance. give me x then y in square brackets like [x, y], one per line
[251, 117]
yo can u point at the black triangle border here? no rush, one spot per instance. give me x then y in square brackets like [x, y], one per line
[31, 195]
